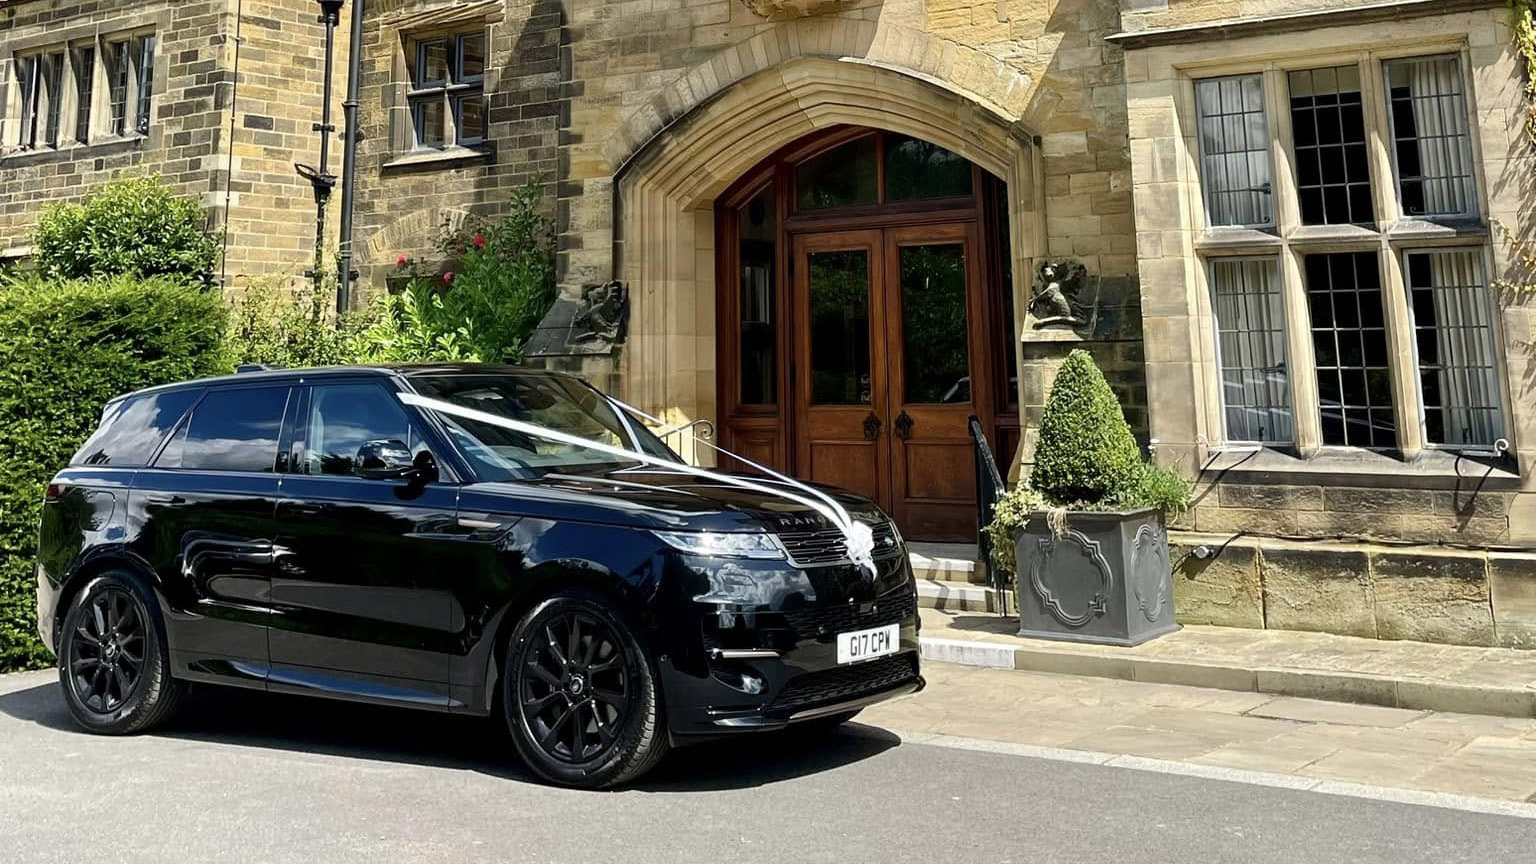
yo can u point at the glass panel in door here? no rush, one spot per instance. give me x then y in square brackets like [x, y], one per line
[840, 350]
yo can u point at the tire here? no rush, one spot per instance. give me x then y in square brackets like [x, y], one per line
[113, 640]
[581, 702]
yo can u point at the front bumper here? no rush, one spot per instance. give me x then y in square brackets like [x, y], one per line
[782, 668]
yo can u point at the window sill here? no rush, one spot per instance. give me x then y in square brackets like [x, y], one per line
[1414, 230]
[1329, 235]
[1350, 466]
[74, 150]
[1237, 239]
[429, 159]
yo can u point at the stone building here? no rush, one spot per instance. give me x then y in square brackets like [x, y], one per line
[1279, 224]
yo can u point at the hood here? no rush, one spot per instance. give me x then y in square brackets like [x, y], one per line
[649, 497]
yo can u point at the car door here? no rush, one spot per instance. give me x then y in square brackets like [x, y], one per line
[203, 517]
[358, 608]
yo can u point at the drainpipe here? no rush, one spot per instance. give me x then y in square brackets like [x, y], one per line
[321, 179]
[344, 274]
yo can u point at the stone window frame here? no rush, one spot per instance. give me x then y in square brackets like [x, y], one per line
[98, 123]
[455, 87]
[400, 32]
[1391, 237]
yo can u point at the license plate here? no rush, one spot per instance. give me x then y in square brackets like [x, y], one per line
[861, 645]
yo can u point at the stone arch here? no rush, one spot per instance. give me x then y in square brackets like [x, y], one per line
[665, 251]
[976, 75]
[407, 234]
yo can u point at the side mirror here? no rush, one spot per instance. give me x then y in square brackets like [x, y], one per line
[386, 459]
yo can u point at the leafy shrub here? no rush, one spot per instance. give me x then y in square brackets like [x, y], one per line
[132, 226]
[1086, 452]
[69, 348]
[500, 284]
[293, 328]
[1087, 459]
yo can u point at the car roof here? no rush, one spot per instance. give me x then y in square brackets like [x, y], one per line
[257, 374]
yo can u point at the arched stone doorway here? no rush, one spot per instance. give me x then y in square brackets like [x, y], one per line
[666, 244]
[862, 320]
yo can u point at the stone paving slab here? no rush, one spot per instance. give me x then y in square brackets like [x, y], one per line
[1416, 676]
[1308, 740]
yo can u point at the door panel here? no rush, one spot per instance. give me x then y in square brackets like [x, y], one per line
[840, 361]
[930, 285]
[359, 597]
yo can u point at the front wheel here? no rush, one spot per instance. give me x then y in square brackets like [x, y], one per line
[579, 695]
[113, 663]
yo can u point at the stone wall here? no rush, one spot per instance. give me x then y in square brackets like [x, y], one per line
[1426, 594]
[184, 135]
[198, 109]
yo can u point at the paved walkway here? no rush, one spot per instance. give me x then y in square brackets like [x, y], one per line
[1461, 754]
[1415, 675]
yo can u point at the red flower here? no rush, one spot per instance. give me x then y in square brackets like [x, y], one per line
[480, 240]
[448, 277]
[400, 260]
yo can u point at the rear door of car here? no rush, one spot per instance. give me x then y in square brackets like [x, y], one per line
[360, 607]
[203, 516]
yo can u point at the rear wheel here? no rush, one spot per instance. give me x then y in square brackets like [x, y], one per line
[113, 663]
[579, 695]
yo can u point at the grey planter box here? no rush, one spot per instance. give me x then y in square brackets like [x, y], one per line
[1105, 580]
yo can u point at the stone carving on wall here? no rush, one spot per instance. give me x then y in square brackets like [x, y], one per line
[793, 8]
[1056, 303]
[594, 323]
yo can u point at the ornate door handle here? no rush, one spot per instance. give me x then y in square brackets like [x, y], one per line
[871, 427]
[904, 426]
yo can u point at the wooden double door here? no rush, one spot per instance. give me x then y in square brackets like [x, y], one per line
[884, 337]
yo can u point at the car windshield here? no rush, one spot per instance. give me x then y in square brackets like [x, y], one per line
[551, 401]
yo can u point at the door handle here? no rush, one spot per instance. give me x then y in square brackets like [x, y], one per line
[871, 427]
[904, 426]
[306, 509]
[164, 499]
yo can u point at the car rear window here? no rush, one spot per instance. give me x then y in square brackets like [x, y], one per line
[230, 430]
[131, 430]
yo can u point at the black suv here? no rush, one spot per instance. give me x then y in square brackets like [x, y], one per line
[306, 532]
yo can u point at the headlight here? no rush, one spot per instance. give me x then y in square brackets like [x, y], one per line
[723, 545]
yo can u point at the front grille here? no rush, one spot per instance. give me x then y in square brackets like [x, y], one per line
[814, 621]
[830, 686]
[825, 546]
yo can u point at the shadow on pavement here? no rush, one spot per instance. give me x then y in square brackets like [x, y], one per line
[243, 718]
[1008, 626]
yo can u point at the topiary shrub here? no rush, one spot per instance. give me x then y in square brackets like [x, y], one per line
[68, 348]
[1086, 453]
[132, 226]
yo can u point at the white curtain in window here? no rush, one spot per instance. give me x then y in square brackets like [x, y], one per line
[1463, 336]
[1441, 127]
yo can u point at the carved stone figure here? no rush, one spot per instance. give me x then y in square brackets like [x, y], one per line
[601, 313]
[1054, 303]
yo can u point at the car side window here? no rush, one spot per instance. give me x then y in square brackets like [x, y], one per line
[344, 417]
[132, 430]
[233, 429]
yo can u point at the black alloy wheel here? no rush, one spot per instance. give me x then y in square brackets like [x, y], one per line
[113, 664]
[579, 695]
[575, 687]
[106, 651]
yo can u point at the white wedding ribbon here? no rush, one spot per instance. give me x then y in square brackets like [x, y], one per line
[858, 537]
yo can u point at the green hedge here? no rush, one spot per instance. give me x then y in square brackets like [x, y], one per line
[67, 348]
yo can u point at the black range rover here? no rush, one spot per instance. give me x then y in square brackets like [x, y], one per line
[307, 532]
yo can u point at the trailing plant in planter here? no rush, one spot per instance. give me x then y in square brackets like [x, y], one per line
[1087, 577]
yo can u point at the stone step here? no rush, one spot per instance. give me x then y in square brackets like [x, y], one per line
[958, 596]
[947, 562]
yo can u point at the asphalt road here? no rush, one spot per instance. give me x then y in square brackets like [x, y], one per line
[251, 778]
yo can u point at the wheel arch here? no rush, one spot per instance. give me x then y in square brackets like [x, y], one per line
[94, 565]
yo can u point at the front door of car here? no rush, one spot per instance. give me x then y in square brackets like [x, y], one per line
[358, 605]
